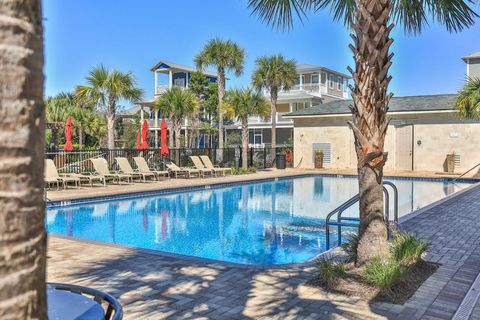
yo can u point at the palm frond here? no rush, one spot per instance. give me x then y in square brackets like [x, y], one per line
[280, 13]
[468, 100]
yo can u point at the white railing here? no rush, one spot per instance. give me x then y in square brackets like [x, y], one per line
[161, 89]
[267, 120]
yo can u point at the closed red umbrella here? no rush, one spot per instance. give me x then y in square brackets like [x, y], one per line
[68, 135]
[163, 139]
[145, 135]
[139, 142]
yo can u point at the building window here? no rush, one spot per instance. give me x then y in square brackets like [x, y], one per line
[255, 137]
[345, 85]
[330, 81]
[327, 151]
[315, 78]
[339, 83]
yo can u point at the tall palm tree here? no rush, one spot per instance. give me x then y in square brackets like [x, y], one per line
[273, 74]
[178, 104]
[243, 103]
[371, 22]
[105, 88]
[22, 127]
[468, 100]
[226, 56]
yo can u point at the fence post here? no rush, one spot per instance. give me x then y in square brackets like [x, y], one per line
[251, 158]
[265, 158]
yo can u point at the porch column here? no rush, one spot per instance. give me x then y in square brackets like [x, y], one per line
[141, 115]
[301, 81]
[319, 82]
[156, 81]
[156, 128]
[290, 106]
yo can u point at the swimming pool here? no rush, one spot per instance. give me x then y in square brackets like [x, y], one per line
[262, 223]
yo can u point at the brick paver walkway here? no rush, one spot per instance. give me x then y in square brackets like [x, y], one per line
[152, 286]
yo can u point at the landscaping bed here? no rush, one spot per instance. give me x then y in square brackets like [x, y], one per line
[353, 284]
[393, 278]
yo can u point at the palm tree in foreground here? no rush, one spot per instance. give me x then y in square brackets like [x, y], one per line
[178, 104]
[274, 74]
[468, 100]
[105, 88]
[243, 103]
[371, 22]
[226, 56]
[22, 131]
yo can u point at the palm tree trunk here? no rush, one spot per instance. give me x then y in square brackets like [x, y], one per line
[245, 142]
[273, 110]
[80, 139]
[221, 94]
[22, 213]
[369, 125]
[111, 124]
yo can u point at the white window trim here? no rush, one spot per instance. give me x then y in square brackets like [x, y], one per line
[339, 83]
[316, 76]
[331, 79]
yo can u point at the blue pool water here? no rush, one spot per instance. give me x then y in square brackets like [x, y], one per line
[264, 223]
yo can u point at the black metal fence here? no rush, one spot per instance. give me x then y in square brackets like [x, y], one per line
[78, 161]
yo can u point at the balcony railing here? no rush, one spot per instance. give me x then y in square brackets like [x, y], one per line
[267, 120]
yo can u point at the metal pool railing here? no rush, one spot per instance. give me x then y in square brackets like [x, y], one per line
[354, 222]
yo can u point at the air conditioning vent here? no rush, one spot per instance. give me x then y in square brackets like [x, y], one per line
[457, 160]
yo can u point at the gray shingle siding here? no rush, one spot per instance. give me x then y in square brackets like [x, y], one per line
[397, 104]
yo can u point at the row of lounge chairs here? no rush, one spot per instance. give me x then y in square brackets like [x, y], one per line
[203, 166]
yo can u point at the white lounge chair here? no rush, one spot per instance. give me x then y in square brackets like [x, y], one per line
[200, 166]
[142, 166]
[126, 168]
[176, 170]
[101, 168]
[53, 177]
[209, 165]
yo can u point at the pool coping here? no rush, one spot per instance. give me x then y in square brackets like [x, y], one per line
[335, 251]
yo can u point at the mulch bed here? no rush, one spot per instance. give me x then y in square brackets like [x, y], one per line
[352, 284]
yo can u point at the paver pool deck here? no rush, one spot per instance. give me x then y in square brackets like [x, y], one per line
[155, 286]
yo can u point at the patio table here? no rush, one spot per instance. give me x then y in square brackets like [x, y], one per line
[65, 305]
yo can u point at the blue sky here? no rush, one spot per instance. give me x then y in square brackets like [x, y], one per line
[134, 35]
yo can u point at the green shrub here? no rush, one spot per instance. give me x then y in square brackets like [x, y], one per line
[243, 170]
[350, 247]
[329, 270]
[406, 248]
[383, 273]
[252, 169]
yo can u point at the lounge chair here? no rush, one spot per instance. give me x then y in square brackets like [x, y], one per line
[53, 177]
[209, 165]
[126, 168]
[176, 170]
[101, 168]
[142, 166]
[200, 166]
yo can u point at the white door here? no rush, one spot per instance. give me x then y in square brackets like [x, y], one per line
[404, 147]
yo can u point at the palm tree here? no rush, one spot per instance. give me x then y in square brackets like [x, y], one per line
[273, 74]
[22, 125]
[242, 104]
[178, 104]
[105, 88]
[226, 56]
[57, 109]
[371, 22]
[468, 100]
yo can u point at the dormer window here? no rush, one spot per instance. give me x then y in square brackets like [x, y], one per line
[339, 83]
[331, 79]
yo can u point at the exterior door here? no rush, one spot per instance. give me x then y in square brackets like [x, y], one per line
[404, 147]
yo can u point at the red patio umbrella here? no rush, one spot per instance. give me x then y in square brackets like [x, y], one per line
[139, 142]
[163, 139]
[144, 135]
[68, 135]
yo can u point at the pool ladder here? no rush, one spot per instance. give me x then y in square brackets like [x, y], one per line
[354, 222]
